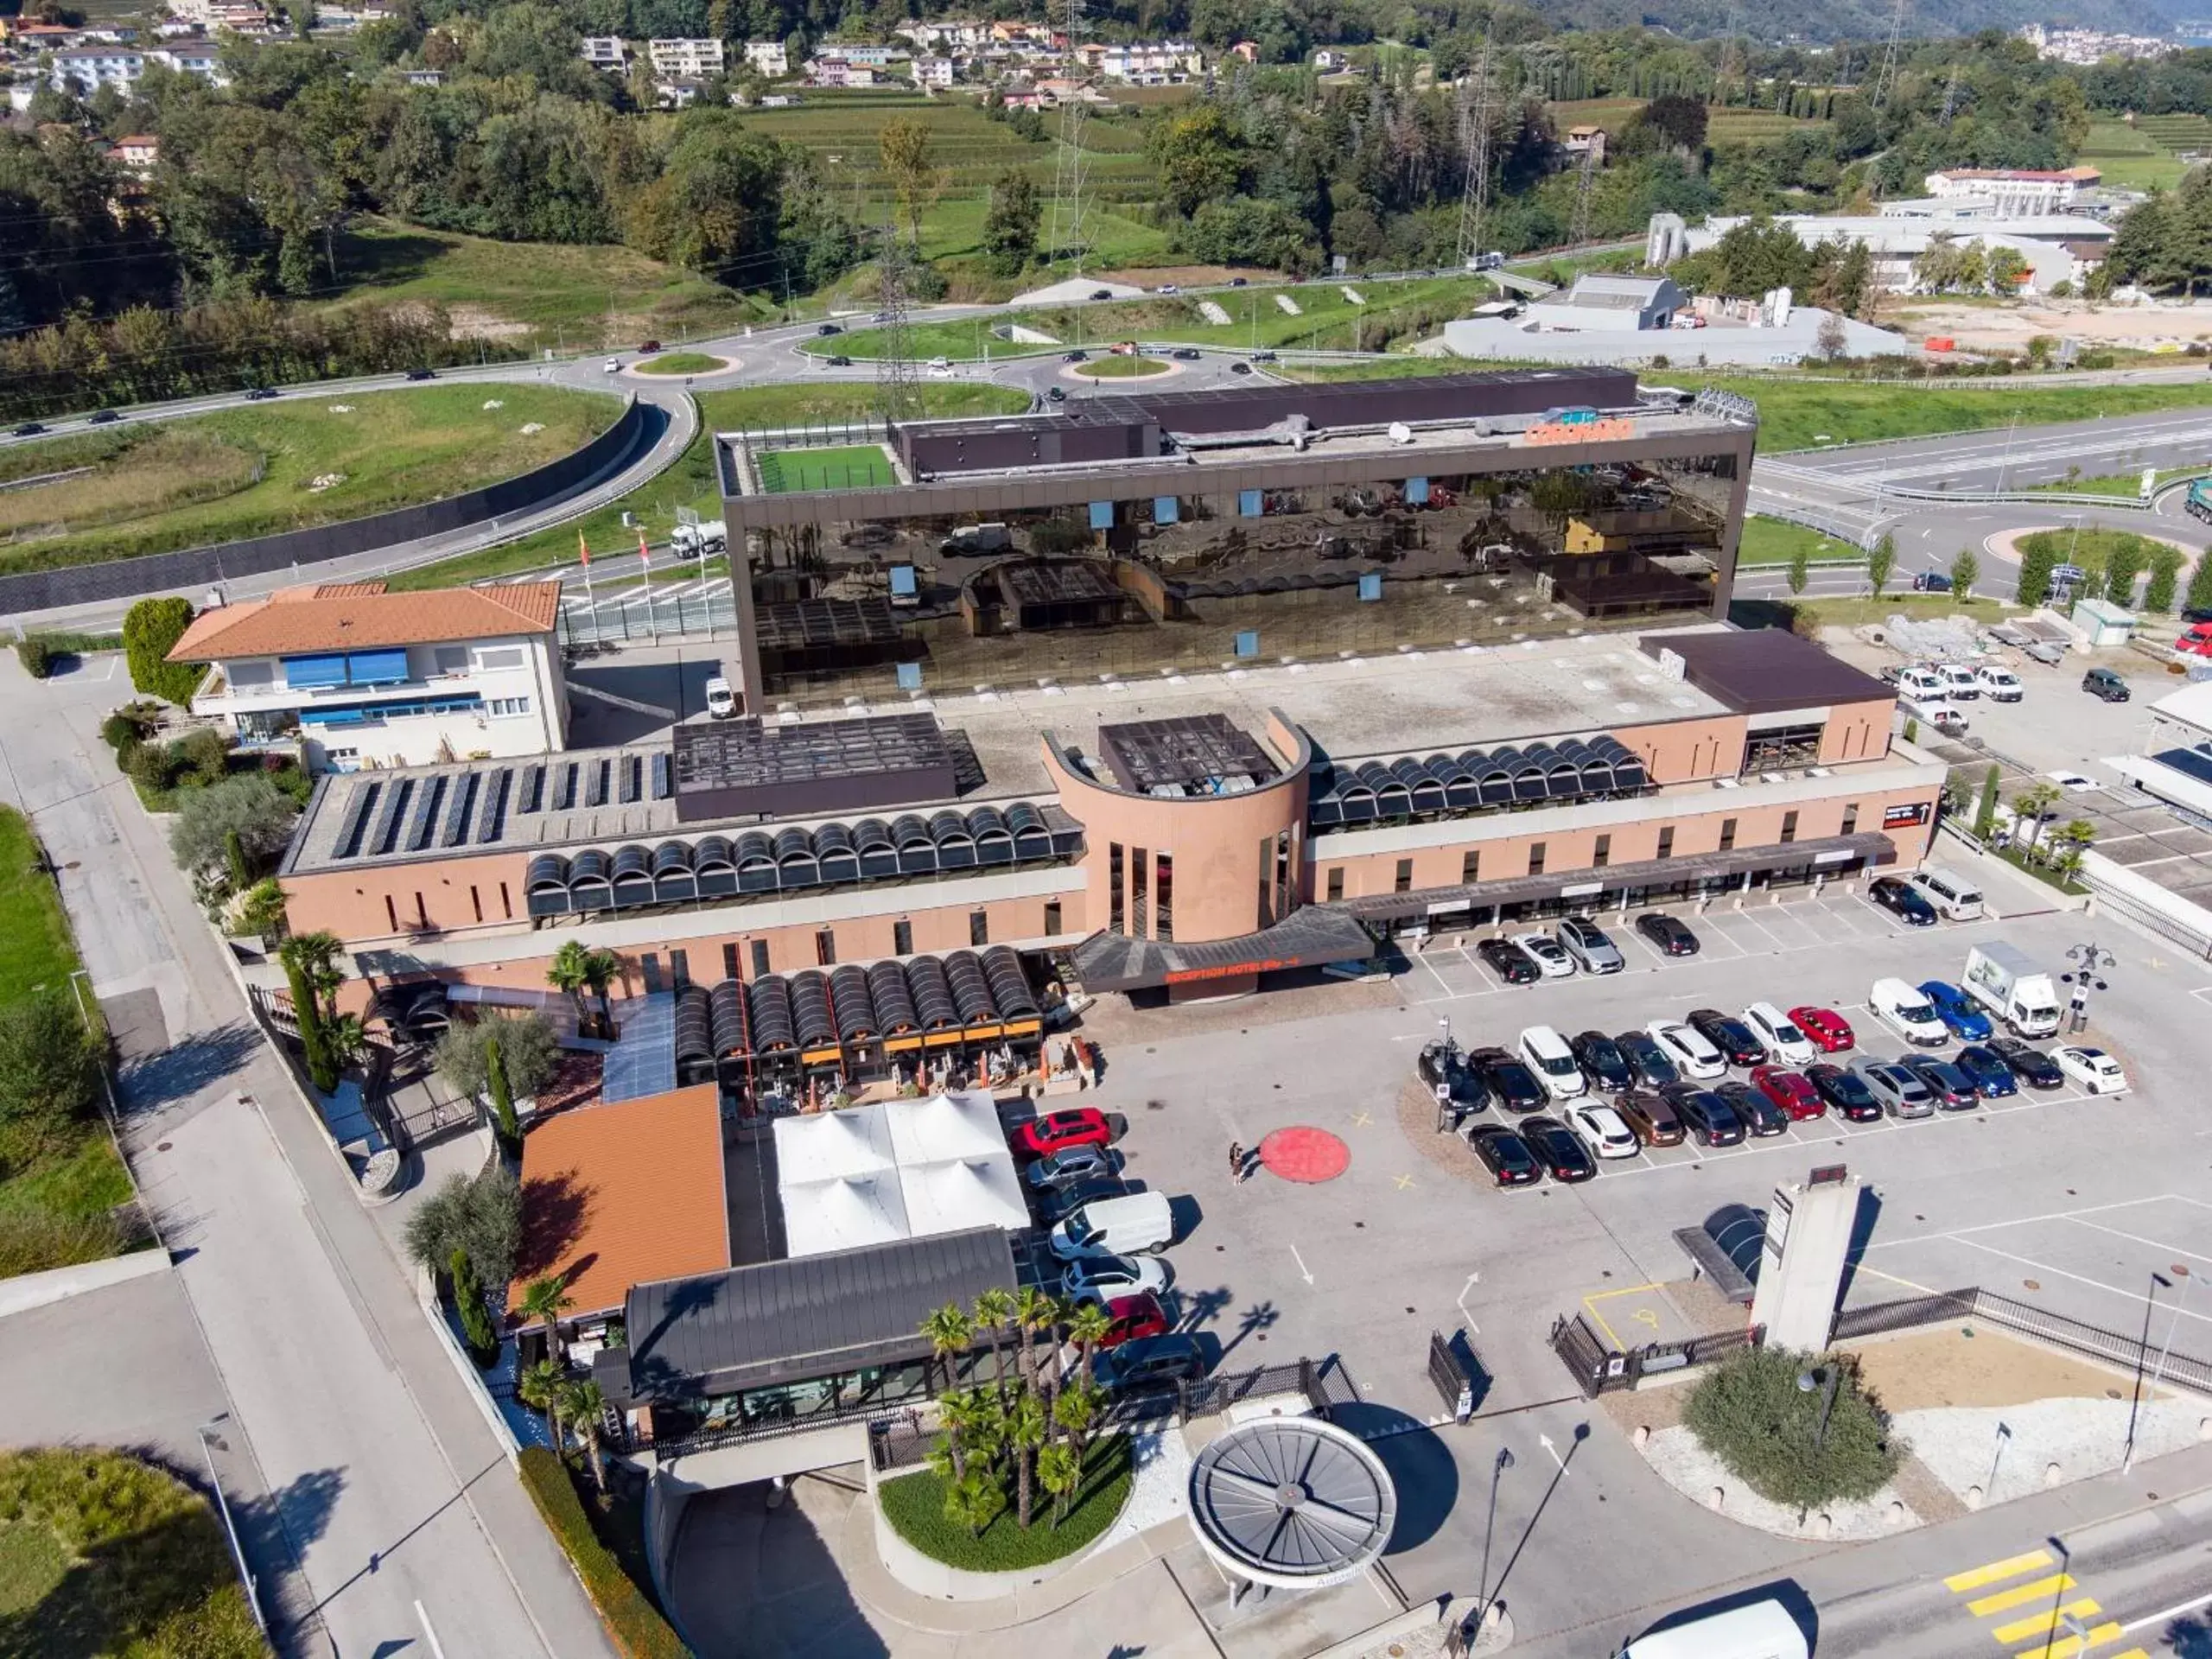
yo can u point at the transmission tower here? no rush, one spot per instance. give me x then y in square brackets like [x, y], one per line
[1474, 197]
[1069, 166]
[1585, 187]
[1885, 81]
[1951, 95]
[897, 388]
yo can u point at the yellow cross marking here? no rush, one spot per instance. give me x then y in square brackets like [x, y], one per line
[2044, 1622]
[1404, 1181]
[1997, 1572]
[2042, 1590]
[1361, 1120]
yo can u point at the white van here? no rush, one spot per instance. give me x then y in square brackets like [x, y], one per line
[1956, 898]
[1906, 1012]
[1959, 681]
[1135, 1224]
[1763, 1630]
[1547, 1055]
[1923, 685]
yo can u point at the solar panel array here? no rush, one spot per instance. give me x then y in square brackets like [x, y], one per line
[384, 815]
[1575, 769]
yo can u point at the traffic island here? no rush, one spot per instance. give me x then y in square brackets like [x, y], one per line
[932, 1553]
[1121, 368]
[674, 363]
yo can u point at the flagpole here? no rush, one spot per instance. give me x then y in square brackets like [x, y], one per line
[583, 556]
[646, 570]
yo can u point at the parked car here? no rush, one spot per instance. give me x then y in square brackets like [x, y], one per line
[1791, 1091]
[1905, 1011]
[422, 374]
[1103, 1278]
[1543, 950]
[2091, 1068]
[1757, 1113]
[1546, 1053]
[1779, 1034]
[1585, 941]
[2000, 684]
[1930, 581]
[721, 698]
[1080, 1162]
[1901, 1093]
[1150, 1361]
[1845, 1091]
[1672, 937]
[1651, 1117]
[1993, 1079]
[2105, 685]
[1829, 1031]
[1513, 966]
[1898, 897]
[1647, 1060]
[1688, 1048]
[1134, 1318]
[1444, 1065]
[1730, 1035]
[1057, 1203]
[103, 418]
[1558, 1149]
[2027, 1062]
[1506, 1155]
[1953, 1088]
[1602, 1062]
[1707, 1116]
[1080, 1126]
[1511, 1084]
[1960, 1012]
[1603, 1131]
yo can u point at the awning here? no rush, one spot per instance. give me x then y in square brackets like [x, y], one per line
[1306, 938]
[1835, 852]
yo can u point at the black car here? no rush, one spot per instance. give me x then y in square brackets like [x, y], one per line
[1852, 1099]
[1900, 900]
[1075, 356]
[101, 417]
[1558, 1149]
[1055, 395]
[1185, 353]
[2028, 1063]
[422, 374]
[1953, 1088]
[1602, 1062]
[1237, 282]
[1057, 1205]
[1511, 1084]
[1102, 294]
[1444, 1065]
[1758, 1114]
[825, 329]
[2105, 685]
[841, 361]
[1728, 1034]
[1647, 1060]
[1708, 1117]
[1506, 1155]
[1240, 367]
[27, 430]
[259, 394]
[1992, 1079]
[1510, 965]
[1263, 356]
[1670, 936]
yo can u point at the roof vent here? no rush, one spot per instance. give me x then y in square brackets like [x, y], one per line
[1401, 432]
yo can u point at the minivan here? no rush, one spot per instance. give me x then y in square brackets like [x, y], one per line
[1761, 1629]
[1956, 898]
[1921, 684]
[1547, 1054]
[1963, 684]
[1136, 1224]
[1175, 1358]
[1905, 1011]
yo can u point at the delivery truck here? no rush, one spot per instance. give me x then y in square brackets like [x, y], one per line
[2007, 983]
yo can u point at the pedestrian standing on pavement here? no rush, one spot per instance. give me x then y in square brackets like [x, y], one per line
[1235, 1160]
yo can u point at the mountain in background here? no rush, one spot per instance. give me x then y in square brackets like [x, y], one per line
[1863, 20]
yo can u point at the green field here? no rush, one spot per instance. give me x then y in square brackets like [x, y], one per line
[1724, 126]
[1121, 368]
[849, 467]
[914, 1505]
[2129, 157]
[681, 363]
[149, 487]
[1792, 412]
[691, 482]
[1776, 540]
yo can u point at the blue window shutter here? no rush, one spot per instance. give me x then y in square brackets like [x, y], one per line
[377, 667]
[1166, 510]
[1101, 515]
[1416, 492]
[307, 672]
[1248, 503]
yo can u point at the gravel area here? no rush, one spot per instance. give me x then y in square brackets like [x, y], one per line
[1160, 1490]
[2083, 1437]
[1685, 1465]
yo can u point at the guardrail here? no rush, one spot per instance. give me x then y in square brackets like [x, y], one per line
[2023, 1318]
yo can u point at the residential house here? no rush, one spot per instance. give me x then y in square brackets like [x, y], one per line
[2017, 190]
[137, 152]
[839, 72]
[425, 77]
[85, 69]
[938, 73]
[768, 58]
[1328, 60]
[202, 58]
[1247, 50]
[679, 94]
[685, 60]
[607, 51]
[1585, 141]
[25, 36]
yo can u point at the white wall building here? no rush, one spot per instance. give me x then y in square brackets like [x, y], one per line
[372, 678]
[85, 69]
[1598, 304]
[2056, 247]
[768, 57]
[2016, 190]
[607, 51]
[935, 72]
[686, 60]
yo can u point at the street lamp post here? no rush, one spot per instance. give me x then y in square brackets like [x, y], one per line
[1827, 1378]
[2181, 1271]
[2158, 1282]
[1498, 1466]
[208, 1441]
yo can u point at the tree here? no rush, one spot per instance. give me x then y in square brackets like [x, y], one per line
[1035, 1312]
[476, 1328]
[993, 1311]
[315, 1053]
[1010, 223]
[583, 1402]
[1985, 816]
[250, 807]
[527, 1048]
[2165, 572]
[1677, 117]
[718, 202]
[262, 910]
[949, 1332]
[1801, 568]
[1088, 1327]
[234, 861]
[503, 1101]
[480, 1216]
[576, 966]
[2199, 596]
[908, 157]
[1025, 1433]
[2072, 840]
[540, 1388]
[2122, 565]
[546, 1300]
[1798, 1446]
[974, 1501]
[1964, 568]
[49, 1063]
[1060, 1472]
[1830, 339]
[1199, 155]
[1879, 562]
[2031, 806]
[2039, 556]
[150, 630]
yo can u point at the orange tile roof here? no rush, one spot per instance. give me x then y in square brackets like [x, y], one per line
[342, 616]
[619, 1195]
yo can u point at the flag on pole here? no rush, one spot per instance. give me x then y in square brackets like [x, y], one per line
[645, 554]
[583, 548]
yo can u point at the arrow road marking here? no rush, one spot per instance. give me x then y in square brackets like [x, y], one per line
[1473, 1278]
[1304, 1272]
[1544, 1440]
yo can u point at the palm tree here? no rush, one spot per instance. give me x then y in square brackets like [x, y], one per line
[993, 1310]
[540, 1388]
[1025, 1433]
[975, 1502]
[1060, 1470]
[2032, 805]
[949, 1332]
[316, 956]
[575, 966]
[1087, 1328]
[1034, 1312]
[582, 1402]
[546, 1300]
[2071, 843]
[1077, 1412]
[957, 1412]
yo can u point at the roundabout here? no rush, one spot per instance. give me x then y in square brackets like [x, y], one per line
[1121, 368]
[668, 366]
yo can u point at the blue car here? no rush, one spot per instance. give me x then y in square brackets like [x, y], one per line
[1992, 1079]
[1957, 1010]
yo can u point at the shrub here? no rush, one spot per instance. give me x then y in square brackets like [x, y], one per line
[124, 728]
[48, 1062]
[2166, 571]
[150, 765]
[482, 1217]
[469, 1302]
[915, 1506]
[153, 627]
[36, 657]
[1751, 1413]
[206, 752]
[251, 806]
[632, 1619]
[527, 1048]
[315, 1051]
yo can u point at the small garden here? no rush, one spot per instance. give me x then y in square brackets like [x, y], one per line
[2020, 831]
[2114, 563]
[1798, 1429]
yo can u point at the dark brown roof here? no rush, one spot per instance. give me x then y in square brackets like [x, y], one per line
[1756, 671]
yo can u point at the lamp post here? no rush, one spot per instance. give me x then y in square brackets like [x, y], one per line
[1498, 1466]
[1827, 1378]
[2158, 1282]
[2180, 1271]
[209, 1442]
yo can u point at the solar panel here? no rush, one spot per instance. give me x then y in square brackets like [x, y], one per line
[491, 822]
[459, 810]
[357, 818]
[388, 821]
[643, 1061]
[425, 820]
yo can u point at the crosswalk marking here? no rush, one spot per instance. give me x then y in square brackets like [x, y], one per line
[2044, 1623]
[1997, 1572]
[2067, 1646]
[2040, 1590]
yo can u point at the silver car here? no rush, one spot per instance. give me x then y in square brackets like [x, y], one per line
[1890, 1082]
[1586, 941]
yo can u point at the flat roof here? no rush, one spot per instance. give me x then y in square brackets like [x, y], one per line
[1178, 754]
[1757, 670]
[750, 765]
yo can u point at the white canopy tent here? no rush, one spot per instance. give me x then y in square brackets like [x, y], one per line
[898, 1169]
[833, 1145]
[944, 1127]
[949, 1197]
[838, 1215]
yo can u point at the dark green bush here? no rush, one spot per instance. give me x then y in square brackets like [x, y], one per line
[635, 1624]
[1750, 1413]
[36, 657]
[150, 629]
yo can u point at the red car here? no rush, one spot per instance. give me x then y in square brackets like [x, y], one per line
[2197, 641]
[1086, 1126]
[1827, 1029]
[1793, 1091]
[1133, 1317]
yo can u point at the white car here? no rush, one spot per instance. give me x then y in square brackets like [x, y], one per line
[1906, 1012]
[1778, 1034]
[722, 700]
[1104, 1278]
[1686, 1046]
[1960, 682]
[2092, 1069]
[1602, 1129]
[2073, 782]
[1544, 950]
[1544, 1051]
[613, 365]
[2000, 684]
[1921, 685]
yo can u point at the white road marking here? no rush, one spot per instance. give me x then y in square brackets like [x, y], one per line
[2149, 1620]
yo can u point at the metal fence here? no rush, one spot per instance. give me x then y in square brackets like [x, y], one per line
[1598, 1367]
[2075, 1335]
[1878, 1318]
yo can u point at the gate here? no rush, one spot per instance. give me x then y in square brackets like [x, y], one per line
[1595, 1367]
[1457, 1371]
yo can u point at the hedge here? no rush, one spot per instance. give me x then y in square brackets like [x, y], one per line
[635, 1624]
[149, 629]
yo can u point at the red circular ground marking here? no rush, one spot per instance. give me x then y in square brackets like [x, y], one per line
[1305, 1154]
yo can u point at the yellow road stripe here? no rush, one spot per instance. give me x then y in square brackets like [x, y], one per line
[2067, 1646]
[1996, 1571]
[2044, 1623]
[2020, 1595]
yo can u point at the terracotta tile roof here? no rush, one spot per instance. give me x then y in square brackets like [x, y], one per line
[619, 1195]
[340, 616]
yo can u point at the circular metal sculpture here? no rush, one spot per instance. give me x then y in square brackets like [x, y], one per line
[1292, 1502]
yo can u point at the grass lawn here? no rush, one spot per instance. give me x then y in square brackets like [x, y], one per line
[848, 466]
[681, 363]
[262, 468]
[534, 294]
[103, 1554]
[2129, 158]
[1791, 412]
[2128, 485]
[691, 481]
[36, 950]
[915, 1504]
[1121, 368]
[1776, 540]
[1921, 607]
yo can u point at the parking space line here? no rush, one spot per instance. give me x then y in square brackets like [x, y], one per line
[2053, 1215]
[2078, 1278]
[1422, 959]
[2138, 1238]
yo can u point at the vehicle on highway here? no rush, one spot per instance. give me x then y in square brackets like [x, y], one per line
[1688, 1047]
[1185, 353]
[103, 418]
[1603, 1131]
[1150, 1361]
[1779, 1034]
[27, 430]
[2105, 685]
[1237, 282]
[2007, 982]
[649, 346]
[1512, 966]
[1101, 293]
[839, 360]
[1930, 581]
[1240, 367]
[1543, 950]
[1081, 1162]
[1055, 395]
[1790, 1090]
[1753, 1109]
[1544, 1051]
[1956, 898]
[2027, 1062]
[825, 329]
[1511, 1084]
[613, 365]
[1708, 1117]
[1828, 1031]
[1960, 684]
[1585, 941]
[1953, 1088]
[722, 699]
[2000, 684]
[1263, 356]
[1167, 287]
[1444, 1071]
[1650, 1063]
[1132, 1318]
[1672, 937]
[1558, 1149]
[1992, 1079]
[1730, 1035]
[1102, 1278]
[1505, 1155]
[1080, 1126]
[1077, 356]
[1957, 1010]
[1897, 898]
[1602, 1062]
[259, 394]
[1845, 1091]
[1650, 1117]
[2091, 1068]
[1905, 1011]
[422, 374]
[1902, 1093]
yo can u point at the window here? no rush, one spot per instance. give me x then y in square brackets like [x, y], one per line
[506, 708]
[1471, 865]
[679, 969]
[648, 966]
[500, 657]
[1603, 854]
[1667, 841]
[1138, 907]
[262, 672]
[1851, 819]
[422, 912]
[1114, 916]
[1788, 828]
[1535, 858]
[1336, 882]
[475, 901]
[451, 659]
[902, 937]
[1403, 880]
[1727, 834]
[506, 905]
[729, 960]
[1286, 900]
[391, 913]
[979, 927]
[825, 948]
[1163, 897]
[760, 959]
[1051, 919]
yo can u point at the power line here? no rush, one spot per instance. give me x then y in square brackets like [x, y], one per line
[1474, 196]
[1885, 83]
[1069, 166]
